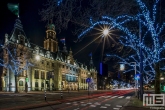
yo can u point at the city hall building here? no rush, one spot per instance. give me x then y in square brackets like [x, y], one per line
[49, 67]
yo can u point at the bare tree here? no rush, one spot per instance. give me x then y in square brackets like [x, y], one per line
[16, 60]
[77, 13]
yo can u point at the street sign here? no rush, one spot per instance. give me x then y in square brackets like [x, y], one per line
[27, 79]
[88, 80]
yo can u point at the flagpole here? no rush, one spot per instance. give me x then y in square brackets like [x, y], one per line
[18, 11]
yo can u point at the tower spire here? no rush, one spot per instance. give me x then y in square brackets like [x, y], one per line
[50, 42]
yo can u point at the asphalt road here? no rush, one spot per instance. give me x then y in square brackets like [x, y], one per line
[110, 100]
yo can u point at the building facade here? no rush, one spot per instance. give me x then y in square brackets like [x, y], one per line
[51, 69]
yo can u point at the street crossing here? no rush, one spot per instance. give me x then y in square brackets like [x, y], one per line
[127, 97]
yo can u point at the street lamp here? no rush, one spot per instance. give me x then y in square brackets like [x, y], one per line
[105, 32]
[37, 57]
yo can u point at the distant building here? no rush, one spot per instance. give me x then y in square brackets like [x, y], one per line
[55, 70]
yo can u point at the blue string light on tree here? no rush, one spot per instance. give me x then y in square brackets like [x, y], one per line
[153, 29]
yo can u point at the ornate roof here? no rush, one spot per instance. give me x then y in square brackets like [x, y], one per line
[18, 32]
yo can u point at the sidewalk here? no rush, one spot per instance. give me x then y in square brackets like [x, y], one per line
[134, 104]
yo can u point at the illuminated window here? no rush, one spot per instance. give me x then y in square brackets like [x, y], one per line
[36, 74]
[42, 75]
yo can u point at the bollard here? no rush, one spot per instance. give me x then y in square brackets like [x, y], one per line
[61, 95]
[45, 95]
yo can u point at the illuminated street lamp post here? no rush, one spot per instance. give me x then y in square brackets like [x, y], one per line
[105, 33]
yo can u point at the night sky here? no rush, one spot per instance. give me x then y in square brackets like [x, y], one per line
[35, 29]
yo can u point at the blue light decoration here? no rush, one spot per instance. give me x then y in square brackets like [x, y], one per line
[121, 83]
[59, 2]
[153, 30]
[15, 64]
[88, 80]
[137, 77]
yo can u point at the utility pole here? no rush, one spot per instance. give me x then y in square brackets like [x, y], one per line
[141, 64]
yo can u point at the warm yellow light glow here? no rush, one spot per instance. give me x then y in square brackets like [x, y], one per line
[162, 78]
[37, 57]
[105, 32]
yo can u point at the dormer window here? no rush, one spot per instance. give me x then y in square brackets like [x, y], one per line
[21, 39]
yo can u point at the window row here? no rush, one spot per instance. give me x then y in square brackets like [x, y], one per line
[43, 74]
[71, 78]
[44, 84]
[47, 63]
[67, 67]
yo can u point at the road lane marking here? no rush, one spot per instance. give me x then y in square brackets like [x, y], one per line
[115, 94]
[68, 103]
[92, 105]
[114, 97]
[107, 104]
[103, 107]
[121, 97]
[128, 97]
[96, 103]
[118, 106]
[83, 104]
[109, 96]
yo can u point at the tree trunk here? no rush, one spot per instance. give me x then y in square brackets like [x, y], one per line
[16, 86]
[157, 78]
